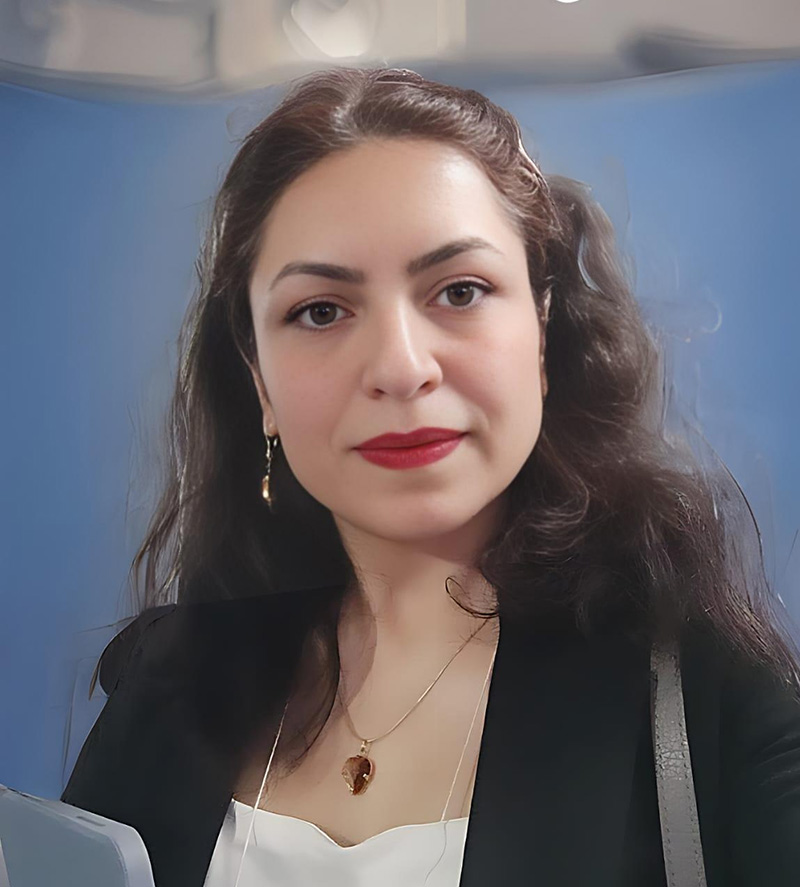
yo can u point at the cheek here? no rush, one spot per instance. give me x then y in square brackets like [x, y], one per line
[300, 396]
[308, 407]
[506, 369]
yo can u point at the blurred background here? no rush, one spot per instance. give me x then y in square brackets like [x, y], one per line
[117, 121]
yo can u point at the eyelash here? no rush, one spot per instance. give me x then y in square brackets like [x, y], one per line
[294, 314]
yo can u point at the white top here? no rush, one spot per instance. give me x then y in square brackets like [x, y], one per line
[285, 851]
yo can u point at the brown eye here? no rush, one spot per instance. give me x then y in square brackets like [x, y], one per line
[322, 311]
[462, 293]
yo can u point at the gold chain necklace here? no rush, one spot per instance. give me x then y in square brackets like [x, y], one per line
[359, 769]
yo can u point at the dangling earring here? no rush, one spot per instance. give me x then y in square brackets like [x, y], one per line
[272, 443]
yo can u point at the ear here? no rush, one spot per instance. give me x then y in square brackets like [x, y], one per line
[269, 423]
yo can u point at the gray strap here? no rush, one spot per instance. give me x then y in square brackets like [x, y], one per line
[680, 829]
[4, 881]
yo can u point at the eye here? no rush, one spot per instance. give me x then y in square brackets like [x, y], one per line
[467, 285]
[327, 310]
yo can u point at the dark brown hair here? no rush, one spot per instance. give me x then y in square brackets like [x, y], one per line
[611, 521]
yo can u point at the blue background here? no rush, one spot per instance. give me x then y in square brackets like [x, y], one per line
[102, 213]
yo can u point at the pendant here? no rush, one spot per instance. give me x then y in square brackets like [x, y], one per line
[358, 770]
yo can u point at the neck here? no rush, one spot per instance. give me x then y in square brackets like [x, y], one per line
[409, 633]
[398, 613]
[399, 597]
[416, 615]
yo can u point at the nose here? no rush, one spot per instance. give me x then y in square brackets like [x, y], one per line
[400, 352]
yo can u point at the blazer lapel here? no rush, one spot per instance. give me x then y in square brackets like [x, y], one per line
[556, 766]
[553, 783]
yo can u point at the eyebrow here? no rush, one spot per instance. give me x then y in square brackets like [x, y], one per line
[414, 267]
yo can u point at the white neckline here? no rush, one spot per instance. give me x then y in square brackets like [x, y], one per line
[350, 847]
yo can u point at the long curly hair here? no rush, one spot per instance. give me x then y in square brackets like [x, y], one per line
[611, 521]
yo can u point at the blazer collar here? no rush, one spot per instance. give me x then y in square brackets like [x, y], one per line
[553, 781]
[556, 765]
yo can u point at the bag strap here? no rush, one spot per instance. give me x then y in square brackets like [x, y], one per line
[680, 830]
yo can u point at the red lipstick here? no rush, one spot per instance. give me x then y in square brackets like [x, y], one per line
[409, 439]
[420, 447]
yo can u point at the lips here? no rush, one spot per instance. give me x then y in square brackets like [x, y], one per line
[401, 458]
[410, 439]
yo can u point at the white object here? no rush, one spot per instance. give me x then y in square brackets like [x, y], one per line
[285, 851]
[48, 842]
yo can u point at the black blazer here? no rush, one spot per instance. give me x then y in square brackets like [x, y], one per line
[565, 791]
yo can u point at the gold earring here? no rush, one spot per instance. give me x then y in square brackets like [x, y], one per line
[272, 442]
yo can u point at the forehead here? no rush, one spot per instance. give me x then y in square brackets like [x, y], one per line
[402, 192]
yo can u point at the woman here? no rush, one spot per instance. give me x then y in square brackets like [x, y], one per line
[429, 663]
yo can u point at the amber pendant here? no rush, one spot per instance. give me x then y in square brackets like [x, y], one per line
[358, 771]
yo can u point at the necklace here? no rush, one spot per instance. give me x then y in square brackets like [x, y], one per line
[359, 770]
[280, 729]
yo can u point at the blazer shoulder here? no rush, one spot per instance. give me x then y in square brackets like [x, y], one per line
[118, 652]
[191, 627]
[736, 674]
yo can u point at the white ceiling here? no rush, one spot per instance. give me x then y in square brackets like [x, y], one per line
[199, 48]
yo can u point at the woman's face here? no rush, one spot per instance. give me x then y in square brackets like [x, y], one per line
[408, 334]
